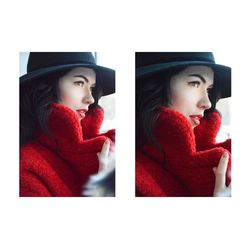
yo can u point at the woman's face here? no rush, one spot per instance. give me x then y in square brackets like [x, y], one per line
[76, 89]
[189, 92]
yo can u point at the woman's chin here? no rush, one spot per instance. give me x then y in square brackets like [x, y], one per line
[80, 115]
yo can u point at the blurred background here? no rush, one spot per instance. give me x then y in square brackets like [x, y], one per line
[224, 105]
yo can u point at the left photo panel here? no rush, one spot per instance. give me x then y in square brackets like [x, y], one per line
[67, 125]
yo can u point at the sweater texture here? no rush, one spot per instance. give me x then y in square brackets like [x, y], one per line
[60, 164]
[182, 163]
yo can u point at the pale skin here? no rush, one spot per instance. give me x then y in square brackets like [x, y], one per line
[103, 156]
[220, 189]
[189, 96]
[189, 91]
[76, 89]
[76, 93]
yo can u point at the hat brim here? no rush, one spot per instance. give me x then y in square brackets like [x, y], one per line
[222, 74]
[106, 76]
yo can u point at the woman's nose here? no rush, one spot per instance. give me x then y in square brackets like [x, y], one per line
[88, 97]
[205, 102]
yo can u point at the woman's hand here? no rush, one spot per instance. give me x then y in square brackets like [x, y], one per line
[103, 156]
[220, 189]
[102, 184]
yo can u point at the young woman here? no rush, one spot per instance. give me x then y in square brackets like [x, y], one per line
[177, 123]
[60, 122]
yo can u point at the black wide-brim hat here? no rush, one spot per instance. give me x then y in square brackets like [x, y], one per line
[148, 63]
[41, 64]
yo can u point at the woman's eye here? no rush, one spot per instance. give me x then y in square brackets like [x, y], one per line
[194, 84]
[79, 83]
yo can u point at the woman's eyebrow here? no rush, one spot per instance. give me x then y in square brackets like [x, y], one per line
[82, 76]
[197, 75]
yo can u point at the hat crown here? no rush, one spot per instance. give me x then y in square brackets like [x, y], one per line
[150, 58]
[39, 60]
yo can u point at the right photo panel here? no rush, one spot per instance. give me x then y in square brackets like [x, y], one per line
[183, 132]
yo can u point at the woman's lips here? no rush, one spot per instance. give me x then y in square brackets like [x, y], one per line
[196, 119]
[81, 113]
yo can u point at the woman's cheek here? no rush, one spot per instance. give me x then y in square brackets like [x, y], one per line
[182, 103]
[70, 98]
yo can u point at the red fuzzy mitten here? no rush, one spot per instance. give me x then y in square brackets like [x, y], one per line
[206, 132]
[92, 122]
[188, 172]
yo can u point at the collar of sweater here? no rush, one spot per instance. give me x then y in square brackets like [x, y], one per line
[67, 140]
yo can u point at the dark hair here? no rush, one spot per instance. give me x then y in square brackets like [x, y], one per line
[152, 92]
[35, 99]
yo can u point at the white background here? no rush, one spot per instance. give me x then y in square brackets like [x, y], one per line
[121, 28]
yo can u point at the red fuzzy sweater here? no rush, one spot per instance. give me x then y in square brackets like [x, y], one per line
[183, 166]
[60, 165]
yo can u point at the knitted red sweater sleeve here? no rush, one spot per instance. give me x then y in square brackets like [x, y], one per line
[207, 131]
[31, 186]
[193, 167]
[92, 122]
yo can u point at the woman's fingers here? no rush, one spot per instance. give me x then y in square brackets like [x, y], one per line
[221, 171]
[220, 188]
[103, 155]
[222, 167]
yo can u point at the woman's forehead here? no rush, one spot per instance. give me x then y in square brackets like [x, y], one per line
[82, 71]
[204, 70]
[204, 73]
